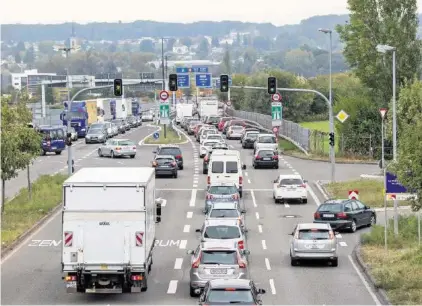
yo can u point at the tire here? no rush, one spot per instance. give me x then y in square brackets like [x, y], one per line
[294, 262]
[132, 156]
[353, 226]
[243, 146]
[100, 154]
[277, 167]
[175, 175]
[204, 171]
[373, 221]
[58, 152]
[145, 287]
[112, 154]
[334, 262]
[241, 193]
[192, 292]
[181, 168]
[43, 153]
[304, 201]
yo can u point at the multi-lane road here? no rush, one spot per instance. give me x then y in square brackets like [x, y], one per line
[31, 274]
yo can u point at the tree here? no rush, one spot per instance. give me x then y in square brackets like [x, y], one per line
[46, 47]
[147, 45]
[262, 43]
[215, 42]
[227, 63]
[112, 47]
[381, 22]
[18, 58]
[203, 49]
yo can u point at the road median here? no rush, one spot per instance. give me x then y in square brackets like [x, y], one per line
[173, 136]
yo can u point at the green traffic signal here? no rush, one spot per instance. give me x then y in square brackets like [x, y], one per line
[118, 87]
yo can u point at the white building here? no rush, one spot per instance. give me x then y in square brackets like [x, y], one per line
[29, 78]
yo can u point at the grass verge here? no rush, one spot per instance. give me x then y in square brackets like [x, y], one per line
[20, 213]
[370, 192]
[339, 159]
[171, 138]
[322, 126]
[399, 270]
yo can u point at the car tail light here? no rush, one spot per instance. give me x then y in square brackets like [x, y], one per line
[342, 215]
[178, 156]
[208, 180]
[241, 263]
[134, 148]
[154, 164]
[173, 164]
[118, 148]
[317, 215]
[331, 235]
[209, 197]
[235, 197]
[275, 157]
[137, 277]
[196, 263]
[303, 185]
[70, 278]
[206, 158]
[257, 156]
[241, 245]
[240, 180]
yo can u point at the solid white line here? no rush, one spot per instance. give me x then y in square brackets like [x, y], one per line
[178, 263]
[272, 286]
[260, 228]
[192, 198]
[172, 287]
[249, 181]
[264, 244]
[362, 278]
[189, 214]
[267, 264]
[313, 195]
[338, 236]
[183, 244]
[286, 205]
[194, 186]
[257, 215]
[253, 199]
[343, 243]
[246, 173]
[186, 228]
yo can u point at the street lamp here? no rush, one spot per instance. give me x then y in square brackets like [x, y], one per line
[384, 49]
[331, 115]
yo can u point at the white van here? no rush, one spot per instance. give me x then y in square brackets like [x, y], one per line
[225, 167]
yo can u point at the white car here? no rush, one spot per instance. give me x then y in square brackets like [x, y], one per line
[217, 136]
[206, 147]
[288, 187]
[148, 116]
[266, 141]
[207, 132]
[235, 132]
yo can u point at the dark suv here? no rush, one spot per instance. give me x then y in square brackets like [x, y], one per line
[345, 214]
[173, 150]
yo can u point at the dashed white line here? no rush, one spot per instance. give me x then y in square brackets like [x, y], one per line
[189, 214]
[257, 215]
[249, 181]
[338, 236]
[195, 186]
[253, 199]
[193, 198]
[272, 286]
[183, 244]
[264, 244]
[178, 263]
[267, 264]
[286, 205]
[289, 166]
[195, 182]
[246, 174]
[260, 228]
[195, 174]
[343, 243]
[163, 202]
[172, 287]
[186, 228]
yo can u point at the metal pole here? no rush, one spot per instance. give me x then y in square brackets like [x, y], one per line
[164, 78]
[69, 116]
[419, 227]
[394, 109]
[382, 144]
[385, 210]
[331, 115]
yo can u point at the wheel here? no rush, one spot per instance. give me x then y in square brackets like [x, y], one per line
[243, 146]
[372, 221]
[334, 262]
[145, 285]
[276, 167]
[304, 201]
[204, 171]
[112, 154]
[240, 193]
[43, 152]
[353, 226]
[86, 142]
[175, 175]
[100, 154]
[58, 152]
[192, 292]
[132, 156]
[294, 262]
[181, 168]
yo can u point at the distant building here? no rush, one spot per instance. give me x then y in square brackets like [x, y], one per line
[29, 79]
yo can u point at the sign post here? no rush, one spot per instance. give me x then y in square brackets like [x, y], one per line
[276, 110]
[164, 110]
[353, 194]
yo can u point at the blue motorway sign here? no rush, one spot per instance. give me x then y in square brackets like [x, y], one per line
[194, 69]
[203, 80]
[217, 82]
[183, 80]
[156, 135]
[393, 185]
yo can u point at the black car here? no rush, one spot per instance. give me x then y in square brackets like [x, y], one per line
[265, 158]
[231, 291]
[165, 165]
[345, 214]
[249, 139]
[172, 150]
[206, 159]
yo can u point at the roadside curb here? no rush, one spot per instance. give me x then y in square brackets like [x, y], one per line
[321, 189]
[327, 161]
[366, 269]
[5, 251]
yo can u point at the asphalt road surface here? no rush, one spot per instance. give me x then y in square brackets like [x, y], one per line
[32, 274]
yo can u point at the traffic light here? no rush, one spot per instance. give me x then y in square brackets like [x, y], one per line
[173, 82]
[69, 139]
[224, 83]
[332, 139]
[118, 87]
[272, 85]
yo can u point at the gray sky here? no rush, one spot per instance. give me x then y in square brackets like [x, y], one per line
[278, 12]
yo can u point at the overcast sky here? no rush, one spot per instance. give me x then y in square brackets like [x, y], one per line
[278, 12]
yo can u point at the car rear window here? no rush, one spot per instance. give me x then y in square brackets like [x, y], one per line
[290, 182]
[222, 232]
[219, 257]
[231, 167]
[335, 208]
[227, 297]
[217, 167]
[125, 143]
[224, 213]
[213, 119]
[314, 234]
[224, 190]
[252, 135]
[170, 151]
[225, 119]
[214, 136]
[237, 127]
[164, 161]
[266, 153]
[267, 139]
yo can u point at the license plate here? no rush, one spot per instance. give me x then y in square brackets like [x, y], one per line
[328, 215]
[71, 285]
[314, 246]
[267, 158]
[53, 148]
[165, 166]
[218, 271]
[104, 267]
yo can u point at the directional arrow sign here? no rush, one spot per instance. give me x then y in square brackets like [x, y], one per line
[277, 113]
[165, 113]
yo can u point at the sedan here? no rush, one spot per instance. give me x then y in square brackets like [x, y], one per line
[235, 132]
[165, 165]
[118, 148]
[227, 210]
[249, 139]
[206, 147]
[221, 192]
[120, 125]
[290, 187]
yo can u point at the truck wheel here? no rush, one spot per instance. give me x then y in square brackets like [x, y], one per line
[145, 285]
[58, 152]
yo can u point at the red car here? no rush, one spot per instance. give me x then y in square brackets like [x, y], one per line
[222, 121]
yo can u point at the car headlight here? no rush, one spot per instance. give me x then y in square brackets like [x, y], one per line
[101, 136]
[83, 130]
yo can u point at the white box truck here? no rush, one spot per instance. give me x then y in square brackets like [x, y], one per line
[208, 108]
[182, 111]
[108, 223]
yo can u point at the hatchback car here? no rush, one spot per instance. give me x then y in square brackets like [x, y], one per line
[173, 150]
[212, 120]
[215, 260]
[288, 187]
[312, 241]
[231, 292]
[345, 214]
[227, 210]
[118, 148]
[148, 116]
[206, 160]
[165, 165]
[234, 132]
[265, 158]
[249, 129]
[222, 229]
[249, 139]
[213, 136]
[206, 132]
[265, 141]
[206, 147]
[96, 135]
[191, 127]
[232, 123]
[221, 192]
[201, 130]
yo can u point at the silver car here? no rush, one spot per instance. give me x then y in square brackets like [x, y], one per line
[216, 260]
[114, 129]
[118, 148]
[206, 132]
[222, 229]
[235, 132]
[206, 147]
[73, 133]
[313, 241]
[227, 210]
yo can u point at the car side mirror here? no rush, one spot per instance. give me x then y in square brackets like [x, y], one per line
[243, 211]
[155, 152]
[244, 167]
[305, 181]
[291, 234]
[261, 291]
[246, 252]
[275, 181]
[367, 207]
[197, 230]
[189, 252]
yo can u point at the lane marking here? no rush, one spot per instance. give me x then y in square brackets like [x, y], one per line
[253, 199]
[189, 214]
[183, 244]
[338, 236]
[286, 205]
[267, 264]
[295, 172]
[195, 181]
[364, 281]
[272, 286]
[313, 195]
[186, 228]
[163, 202]
[343, 243]
[172, 287]
[257, 215]
[290, 166]
[249, 181]
[178, 263]
[231, 147]
[193, 198]
[264, 244]
[194, 186]
[260, 228]
[246, 173]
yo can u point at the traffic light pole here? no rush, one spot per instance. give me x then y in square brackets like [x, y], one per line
[330, 111]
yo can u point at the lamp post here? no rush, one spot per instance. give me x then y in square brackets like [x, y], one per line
[384, 49]
[331, 115]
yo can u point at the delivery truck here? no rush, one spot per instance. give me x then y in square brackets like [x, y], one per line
[208, 108]
[182, 111]
[108, 223]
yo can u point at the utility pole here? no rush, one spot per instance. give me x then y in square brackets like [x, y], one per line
[164, 77]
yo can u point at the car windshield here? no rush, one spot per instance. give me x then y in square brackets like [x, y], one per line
[236, 296]
[222, 232]
[314, 234]
[164, 161]
[118, 122]
[224, 190]
[237, 128]
[95, 131]
[267, 139]
[335, 208]
[219, 257]
[290, 182]
[125, 143]
[170, 151]
[96, 126]
[224, 213]
[266, 153]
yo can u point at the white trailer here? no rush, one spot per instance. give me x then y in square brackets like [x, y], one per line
[108, 224]
[120, 109]
[182, 111]
[208, 108]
